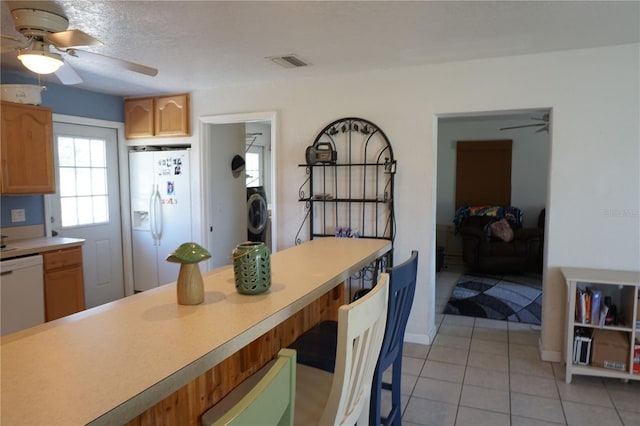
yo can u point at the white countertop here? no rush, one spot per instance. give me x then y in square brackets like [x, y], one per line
[108, 364]
[38, 245]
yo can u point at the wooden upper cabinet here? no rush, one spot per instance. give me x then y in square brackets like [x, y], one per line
[26, 154]
[172, 115]
[138, 120]
[160, 116]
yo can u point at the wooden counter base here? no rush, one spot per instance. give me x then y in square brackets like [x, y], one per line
[185, 406]
[107, 365]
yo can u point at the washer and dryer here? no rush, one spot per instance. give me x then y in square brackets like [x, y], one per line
[258, 214]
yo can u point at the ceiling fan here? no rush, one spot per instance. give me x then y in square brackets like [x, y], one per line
[47, 39]
[543, 127]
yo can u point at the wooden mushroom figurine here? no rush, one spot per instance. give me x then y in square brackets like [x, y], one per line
[190, 287]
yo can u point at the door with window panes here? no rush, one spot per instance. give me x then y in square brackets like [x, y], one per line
[87, 205]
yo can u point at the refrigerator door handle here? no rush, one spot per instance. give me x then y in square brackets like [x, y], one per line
[158, 215]
[152, 215]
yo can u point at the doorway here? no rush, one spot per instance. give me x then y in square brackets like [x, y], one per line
[529, 180]
[224, 194]
[86, 204]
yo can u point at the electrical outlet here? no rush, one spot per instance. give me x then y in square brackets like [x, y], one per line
[18, 215]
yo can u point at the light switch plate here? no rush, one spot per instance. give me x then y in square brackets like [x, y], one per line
[18, 215]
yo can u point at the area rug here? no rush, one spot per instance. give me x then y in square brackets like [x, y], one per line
[512, 298]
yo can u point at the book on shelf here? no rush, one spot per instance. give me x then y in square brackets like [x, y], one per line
[590, 308]
[603, 314]
[595, 302]
[581, 306]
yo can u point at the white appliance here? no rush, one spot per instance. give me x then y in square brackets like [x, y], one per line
[161, 213]
[21, 293]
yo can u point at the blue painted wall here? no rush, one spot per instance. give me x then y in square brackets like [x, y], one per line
[72, 101]
[66, 100]
[33, 206]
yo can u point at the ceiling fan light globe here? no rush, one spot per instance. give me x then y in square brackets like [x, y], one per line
[40, 62]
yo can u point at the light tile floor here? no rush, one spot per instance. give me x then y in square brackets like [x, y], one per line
[486, 372]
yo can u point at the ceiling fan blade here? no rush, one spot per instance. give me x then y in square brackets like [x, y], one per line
[10, 43]
[72, 38]
[109, 60]
[524, 125]
[543, 129]
[67, 75]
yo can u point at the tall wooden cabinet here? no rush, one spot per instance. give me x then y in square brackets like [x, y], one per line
[26, 154]
[63, 283]
[159, 116]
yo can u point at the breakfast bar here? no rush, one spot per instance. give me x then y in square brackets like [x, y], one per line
[112, 363]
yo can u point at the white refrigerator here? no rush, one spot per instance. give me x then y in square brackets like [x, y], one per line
[160, 213]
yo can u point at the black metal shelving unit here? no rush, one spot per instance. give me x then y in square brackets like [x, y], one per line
[353, 189]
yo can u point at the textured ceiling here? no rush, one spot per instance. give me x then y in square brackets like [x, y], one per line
[204, 44]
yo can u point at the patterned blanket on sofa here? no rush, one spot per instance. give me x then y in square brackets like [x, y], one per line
[510, 213]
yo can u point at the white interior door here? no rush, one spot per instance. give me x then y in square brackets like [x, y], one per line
[228, 193]
[87, 205]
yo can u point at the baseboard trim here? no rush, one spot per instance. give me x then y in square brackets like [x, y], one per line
[423, 339]
[551, 356]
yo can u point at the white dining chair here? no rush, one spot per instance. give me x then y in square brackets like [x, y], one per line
[342, 398]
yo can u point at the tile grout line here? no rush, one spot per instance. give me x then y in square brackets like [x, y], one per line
[464, 376]
[564, 413]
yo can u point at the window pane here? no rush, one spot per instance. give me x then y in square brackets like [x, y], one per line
[253, 161]
[98, 155]
[85, 210]
[68, 211]
[100, 209]
[83, 181]
[98, 181]
[67, 182]
[252, 168]
[83, 152]
[66, 152]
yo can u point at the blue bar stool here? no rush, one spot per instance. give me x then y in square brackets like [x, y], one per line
[317, 347]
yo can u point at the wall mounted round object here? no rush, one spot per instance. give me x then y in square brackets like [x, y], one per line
[237, 166]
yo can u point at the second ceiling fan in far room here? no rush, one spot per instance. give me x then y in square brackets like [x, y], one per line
[543, 126]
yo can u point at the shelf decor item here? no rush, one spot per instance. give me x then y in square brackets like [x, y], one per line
[252, 267]
[190, 287]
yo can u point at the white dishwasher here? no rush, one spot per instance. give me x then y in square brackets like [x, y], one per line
[21, 293]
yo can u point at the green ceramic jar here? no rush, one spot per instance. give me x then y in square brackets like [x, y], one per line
[252, 268]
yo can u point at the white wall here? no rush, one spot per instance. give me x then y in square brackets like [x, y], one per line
[530, 163]
[594, 188]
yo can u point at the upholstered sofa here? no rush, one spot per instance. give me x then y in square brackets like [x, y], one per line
[497, 244]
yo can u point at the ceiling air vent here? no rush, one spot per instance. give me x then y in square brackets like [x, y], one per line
[288, 61]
